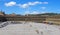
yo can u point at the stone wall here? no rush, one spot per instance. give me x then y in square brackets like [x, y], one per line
[53, 19]
[25, 18]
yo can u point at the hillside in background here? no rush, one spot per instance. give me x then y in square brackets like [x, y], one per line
[47, 14]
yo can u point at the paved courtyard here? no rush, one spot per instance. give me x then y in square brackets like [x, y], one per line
[30, 28]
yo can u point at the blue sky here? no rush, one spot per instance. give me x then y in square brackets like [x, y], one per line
[30, 6]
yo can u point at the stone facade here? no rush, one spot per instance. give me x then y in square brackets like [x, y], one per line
[13, 17]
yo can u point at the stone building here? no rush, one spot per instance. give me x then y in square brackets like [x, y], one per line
[13, 17]
[2, 17]
[53, 19]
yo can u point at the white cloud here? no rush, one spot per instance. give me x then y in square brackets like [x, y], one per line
[43, 8]
[23, 5]
[31, 4]
[33, 12]
[27, 12]
[43, 12]
[28, 4]
[10, 3]
[45, 2]
[36, 2]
